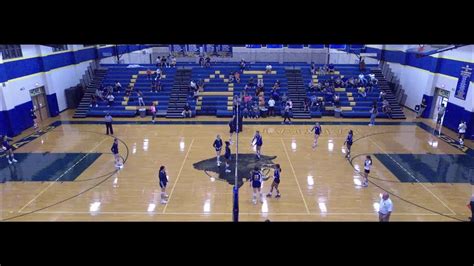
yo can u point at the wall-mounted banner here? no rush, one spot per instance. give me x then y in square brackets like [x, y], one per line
[463, 82]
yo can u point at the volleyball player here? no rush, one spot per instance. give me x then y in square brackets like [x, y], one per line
[116, 154]
[367, 165]
[276, 182]
[317, 132]
[218, 146]
[348, 144]
[258, 141]
[256, 184]
[163, 179]
[8, 149]
[227, 156]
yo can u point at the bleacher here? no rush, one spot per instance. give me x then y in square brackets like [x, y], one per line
[136, 78]
[352, 104]
[217, 97]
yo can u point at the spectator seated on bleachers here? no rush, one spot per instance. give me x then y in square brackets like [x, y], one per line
[357, 82]
[242, 65]
[362, 78]
[158, 74]
[311, 86]
[140, 98]
[337, 101]
[93, 101]
[306, 104]
[350, 83]
[128, 91]
[98, 94]
[251, 83]
[256, 111]
[284, 99]
[173, 61]
[201, 61]
[313, 101]
[187, 111]
[331, 68]
[276, 85]
[247, 98]
[237, 76]
[260, 83]
[320, 103]
[245, 112]
[208, 62]
[231, 77]
[268, 69]
[361, 91]
[386, 107]
[117, 87]
[110, 99]
[158, 61]
[338, 83]
[382, 95]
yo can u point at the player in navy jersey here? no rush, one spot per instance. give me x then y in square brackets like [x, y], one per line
[367, 165]
[317, 132]
[348, 144]
[8, 149]
[163, 180]
[276, 182]
[227, 156]
[218, 146]
[256, 184]
[258, 142]
[116, 154]
[232, 128]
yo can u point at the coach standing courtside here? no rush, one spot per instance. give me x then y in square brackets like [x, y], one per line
[108, 124]
[385, 208]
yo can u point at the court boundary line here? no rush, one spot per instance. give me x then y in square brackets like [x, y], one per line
[294, 174]
[55, 181]
[230, 213]
[412, 176]
[178, 176]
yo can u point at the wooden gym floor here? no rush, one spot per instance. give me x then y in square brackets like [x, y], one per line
[67, 173]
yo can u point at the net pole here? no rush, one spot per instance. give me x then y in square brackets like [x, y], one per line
[236, 184]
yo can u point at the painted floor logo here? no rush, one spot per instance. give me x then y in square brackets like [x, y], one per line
[247, 163]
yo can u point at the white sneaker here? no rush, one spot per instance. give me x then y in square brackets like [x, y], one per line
[9, 162]
[164, 201]
[254, 202]
[228, 171]
[15, 161]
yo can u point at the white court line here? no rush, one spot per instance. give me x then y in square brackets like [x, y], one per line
[54, 182]
[294, 174]
[179, 174]
[412, 176]
[229, 213]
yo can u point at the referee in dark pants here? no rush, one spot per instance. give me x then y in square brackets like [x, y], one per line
[108, 124]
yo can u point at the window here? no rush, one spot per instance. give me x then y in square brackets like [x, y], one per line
[11, 51]
[59, 47]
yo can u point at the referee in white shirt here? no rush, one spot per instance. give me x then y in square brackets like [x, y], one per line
[385, 208]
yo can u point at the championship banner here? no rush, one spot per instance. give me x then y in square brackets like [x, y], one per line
[463, 82]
